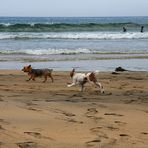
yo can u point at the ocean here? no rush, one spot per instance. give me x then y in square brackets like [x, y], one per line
[85, 43]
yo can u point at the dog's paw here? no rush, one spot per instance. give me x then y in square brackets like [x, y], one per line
[103, 92]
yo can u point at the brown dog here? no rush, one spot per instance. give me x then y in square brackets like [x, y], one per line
[33, 73]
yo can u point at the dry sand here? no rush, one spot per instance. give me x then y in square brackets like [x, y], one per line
[50, 115]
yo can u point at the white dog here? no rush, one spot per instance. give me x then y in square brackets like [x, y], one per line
[82, 78]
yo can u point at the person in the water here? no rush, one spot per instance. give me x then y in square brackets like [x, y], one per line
[124, 29]
[142, 27]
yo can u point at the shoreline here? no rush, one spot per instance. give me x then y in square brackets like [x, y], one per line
[36, 114]
[81, 65]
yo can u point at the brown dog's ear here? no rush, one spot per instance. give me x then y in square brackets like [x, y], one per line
[92, 77]
[29, 66]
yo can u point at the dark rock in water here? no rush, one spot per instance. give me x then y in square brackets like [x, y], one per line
[120, 69]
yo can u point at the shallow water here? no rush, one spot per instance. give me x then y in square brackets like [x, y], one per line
[83, 65]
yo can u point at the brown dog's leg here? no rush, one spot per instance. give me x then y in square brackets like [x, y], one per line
[45, 79]
[31, 77]
[28, 79]
[51, 77]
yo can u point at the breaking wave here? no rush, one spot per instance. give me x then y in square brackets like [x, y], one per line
[51, 51]
[74, 35]
[62, 27]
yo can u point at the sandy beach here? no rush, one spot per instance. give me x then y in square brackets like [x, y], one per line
[50, 115]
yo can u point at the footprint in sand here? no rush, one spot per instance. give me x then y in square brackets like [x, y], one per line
[112, 128]
[146, 111]
[37, 135]
[3, 121]
[74, 121]
[1, 143]
[91, 112]
[120, 122]
[69, 114]
[144, 133]
[34, 134]
[34, 109]
[69, 119]
[94, 141]
[127, 93]
[60, 94]
[113, 114]
[71, 100]
[77, 95]
[1, 128]
[124, 135]
[64, 113]
[28, 144]
[129, 101]
[30, 103]
[1, 99]
[96, 129]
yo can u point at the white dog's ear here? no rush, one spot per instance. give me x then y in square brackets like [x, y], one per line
[72, 72]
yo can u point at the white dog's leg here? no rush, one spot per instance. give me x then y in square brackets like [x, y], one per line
[70, 85]
[82, 87]
[100, 86]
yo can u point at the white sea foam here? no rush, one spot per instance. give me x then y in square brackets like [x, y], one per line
[52, 51]
[47, 51]
[75, 35]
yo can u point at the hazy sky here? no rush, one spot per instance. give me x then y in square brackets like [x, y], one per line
[73, 7]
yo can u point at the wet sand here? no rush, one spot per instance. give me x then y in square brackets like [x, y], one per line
[43, 115]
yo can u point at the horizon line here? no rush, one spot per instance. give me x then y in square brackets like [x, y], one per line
[78, 16]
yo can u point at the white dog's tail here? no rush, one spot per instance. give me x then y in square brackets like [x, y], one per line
[96, 72]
